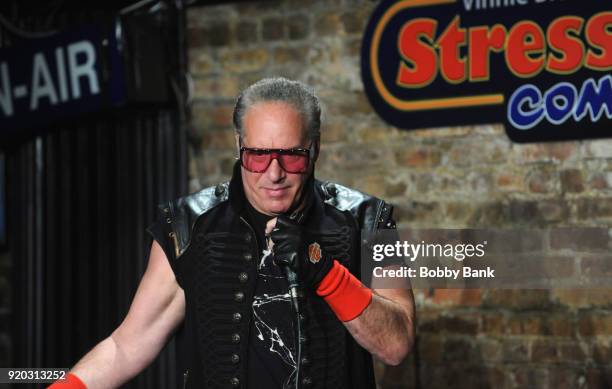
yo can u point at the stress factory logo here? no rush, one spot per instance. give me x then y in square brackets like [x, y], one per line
[542, 67]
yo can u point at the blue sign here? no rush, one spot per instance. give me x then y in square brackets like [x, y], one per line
[54, 78]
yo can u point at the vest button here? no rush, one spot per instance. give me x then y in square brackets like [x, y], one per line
[236, 317]
[239, 296]
[303, 318]
[243, 277]
[235, 358]
[247, 256]
[306, 381]
[305, 361]
[247, 237]
[235, 382]
[236, 338]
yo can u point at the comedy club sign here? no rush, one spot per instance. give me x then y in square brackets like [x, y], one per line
[542, 67]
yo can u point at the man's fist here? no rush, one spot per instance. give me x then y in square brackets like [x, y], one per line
[303, 250]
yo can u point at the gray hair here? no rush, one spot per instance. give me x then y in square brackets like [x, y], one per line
[279, 89]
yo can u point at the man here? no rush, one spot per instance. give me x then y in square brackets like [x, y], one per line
[220, 260]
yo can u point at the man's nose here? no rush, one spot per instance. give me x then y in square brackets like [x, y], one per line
[275, 172]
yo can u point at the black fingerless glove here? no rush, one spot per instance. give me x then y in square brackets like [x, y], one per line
[303, 250]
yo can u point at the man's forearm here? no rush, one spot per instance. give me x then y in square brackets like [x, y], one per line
[385, 329]
[106, 366]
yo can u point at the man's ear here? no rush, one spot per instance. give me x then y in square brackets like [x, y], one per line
[316, 145]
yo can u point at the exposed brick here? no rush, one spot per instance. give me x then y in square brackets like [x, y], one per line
[493, 323]
[227, 165]
[489, 151]
[352, 48]
[536, 213]
[545, 152]
[244, 60]
[519, 299]
[489, 214]
[488, 350]
[374, 185]
[510, 181]
[515, 350]
[560, 325]
[273, 29]
[584, 298]
[599, 377]
[202, 63]
[328, 24]
[457, 297]
[456, 349]
[285, 55]
[397, 376]
[333, 131]
[530, 377]
[431, 348]
[418, 157]
[257, 8]
[532, 325]
[572, 181]
[393, 189]
[418, 211]
[595, 208]
[544, 350]
[219, 139]
[212, 88]
[246, 32]
[354, 21]
[564, 378]
[580, 239]
[543, 179]
[601, 148]
[601, 181]
[198, 37]
[219, 35]
[298, 26]
[552, 211]
[465, 324]
[572, 352]
[208, 116]
[595, 324]
[602, 352]
[597, 268]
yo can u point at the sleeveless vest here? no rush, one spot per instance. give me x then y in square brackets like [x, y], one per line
[213, 252]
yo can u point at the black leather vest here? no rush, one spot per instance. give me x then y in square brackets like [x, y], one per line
[213, 251]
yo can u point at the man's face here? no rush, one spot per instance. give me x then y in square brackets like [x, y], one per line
[273, 125]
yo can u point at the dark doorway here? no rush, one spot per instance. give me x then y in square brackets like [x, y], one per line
[79, 195]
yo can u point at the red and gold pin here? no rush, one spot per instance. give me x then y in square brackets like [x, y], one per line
[314, 252]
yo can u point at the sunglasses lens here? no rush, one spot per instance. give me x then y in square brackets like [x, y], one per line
[294, 163]
[255, 161]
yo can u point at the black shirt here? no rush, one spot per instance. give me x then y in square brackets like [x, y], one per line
[271, 359]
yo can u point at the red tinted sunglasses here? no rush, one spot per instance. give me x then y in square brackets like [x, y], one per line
[293, 161]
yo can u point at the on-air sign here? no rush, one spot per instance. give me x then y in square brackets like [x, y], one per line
[542, 67]
[49, 79]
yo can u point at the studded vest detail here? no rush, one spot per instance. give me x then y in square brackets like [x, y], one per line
[213, 251]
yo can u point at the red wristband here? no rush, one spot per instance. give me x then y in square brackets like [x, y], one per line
[70, 382]
[344, 293]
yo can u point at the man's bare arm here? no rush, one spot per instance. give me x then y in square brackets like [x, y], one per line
[386, 326]
[157, 309]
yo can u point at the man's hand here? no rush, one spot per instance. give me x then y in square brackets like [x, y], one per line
[302, 250]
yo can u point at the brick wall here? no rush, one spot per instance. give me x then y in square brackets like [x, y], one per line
[469, 176]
